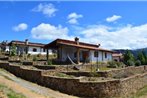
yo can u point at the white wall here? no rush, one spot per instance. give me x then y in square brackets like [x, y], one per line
[39, 51]
[117, 58]
[7, 48]
[67, 51]
[101, 56]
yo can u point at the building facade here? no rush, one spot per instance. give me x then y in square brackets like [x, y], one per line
[79, 51]
[28, 47]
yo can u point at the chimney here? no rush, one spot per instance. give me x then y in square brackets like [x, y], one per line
[26, 42]
[77, 40]
[98, 45]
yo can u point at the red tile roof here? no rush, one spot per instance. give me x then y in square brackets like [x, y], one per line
[29, 43]
[117, 55]
[57, 42]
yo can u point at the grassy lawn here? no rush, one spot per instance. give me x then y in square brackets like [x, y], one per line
[10, 93]
[140, 93]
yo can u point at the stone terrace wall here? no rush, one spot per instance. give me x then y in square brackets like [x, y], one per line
[27, 74]
[88, 74]
[105, 89]
[139, 69]
[110, 73]
[132, 84]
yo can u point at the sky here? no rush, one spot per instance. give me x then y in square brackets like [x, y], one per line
[114, 25]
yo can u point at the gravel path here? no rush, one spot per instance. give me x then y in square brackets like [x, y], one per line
[29, 89]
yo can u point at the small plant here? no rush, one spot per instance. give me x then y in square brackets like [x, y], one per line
[29, 55]
[34, 58]
[38, 55]
[130, 63]
[49, 62]
[138, 63]
[94, 74]
[21, 55]
[120, 64]
[112, 64]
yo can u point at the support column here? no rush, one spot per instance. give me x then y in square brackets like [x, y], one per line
[61, 54]
[102, 56]
[47, 55]
[89, 57]
[78, 55]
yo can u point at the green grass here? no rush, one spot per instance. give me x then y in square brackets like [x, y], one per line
[141, 92]
[10, 93]
[105, 68]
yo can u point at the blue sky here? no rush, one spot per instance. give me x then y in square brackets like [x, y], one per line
[114, 25]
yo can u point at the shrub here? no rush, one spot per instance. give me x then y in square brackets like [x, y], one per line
[130, 63]
[34, 58]
[38, 55]
[138, 63]
[49, 62]
[21, 55]
[94, 74]
[112, 64]
[120, 64]
[29, 55]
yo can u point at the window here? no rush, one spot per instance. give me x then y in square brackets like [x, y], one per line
[34, 50]
[105, 55]
[43, 49]
[96, 54]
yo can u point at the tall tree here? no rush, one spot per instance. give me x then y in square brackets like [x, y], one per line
[128, 57]
[142, 57]
[13, 50]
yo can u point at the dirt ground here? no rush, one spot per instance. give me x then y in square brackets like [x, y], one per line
[28, 89]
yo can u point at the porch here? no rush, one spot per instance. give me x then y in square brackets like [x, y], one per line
[68, 54]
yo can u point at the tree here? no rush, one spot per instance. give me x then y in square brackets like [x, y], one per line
[145, 56]
[13, 50]
[128, 58]
[3, 45]
[142, 57]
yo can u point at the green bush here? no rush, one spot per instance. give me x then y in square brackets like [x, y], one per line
[120, 64]
[130, 63]
[29, 55]
[21, 55]
[38, 55]
[94, 74]
[138, 63]
[34, 58]
[112, 64]
[49, 62]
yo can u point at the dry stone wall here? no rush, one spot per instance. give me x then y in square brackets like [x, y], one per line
[106, 89]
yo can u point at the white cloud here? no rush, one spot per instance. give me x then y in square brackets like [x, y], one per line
[50, 32]
[20, 27]
[73, 18]
[127, 37]
[47, 9]
[113, 18]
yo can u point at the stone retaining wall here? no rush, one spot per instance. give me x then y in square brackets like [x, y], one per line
[105, 89]
[46, 67]
[88, 74]
[110, 73]
[139, 69]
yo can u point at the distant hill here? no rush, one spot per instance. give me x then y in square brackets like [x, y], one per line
[134, 52]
